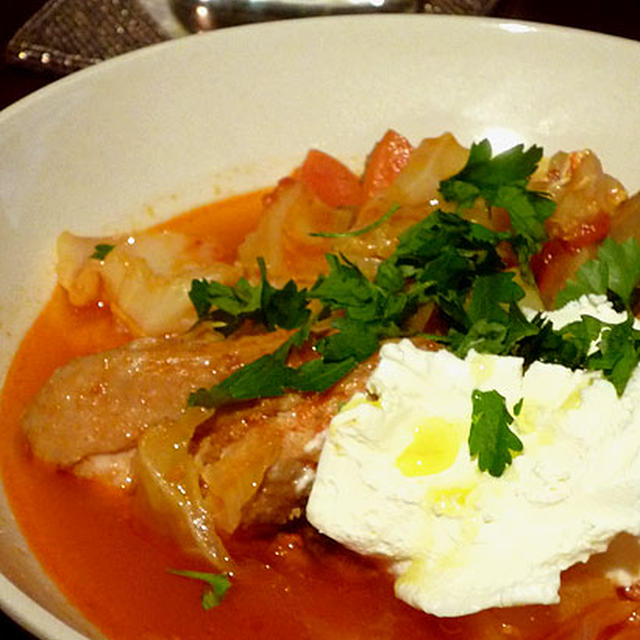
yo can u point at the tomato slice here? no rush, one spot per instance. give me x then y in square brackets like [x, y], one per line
[556, 263]
[588, 231]
[388, 158]
[567, 250]
[330, 180]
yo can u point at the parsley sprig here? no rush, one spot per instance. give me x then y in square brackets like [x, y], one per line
[216, 585]
[490, 438]
[101, 251]
[615, 272]
[358, 232]
[228, 306]
[502, 182]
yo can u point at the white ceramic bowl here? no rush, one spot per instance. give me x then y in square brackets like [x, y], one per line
[150, 134]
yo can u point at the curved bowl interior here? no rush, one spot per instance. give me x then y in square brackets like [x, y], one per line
[152, 133]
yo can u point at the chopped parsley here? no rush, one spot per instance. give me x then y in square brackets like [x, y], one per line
[101, 251]
[490, 439]
[229, 306]
[269, 376]
[502, 182]
[216, 586]
[445, 260]
[618, 353]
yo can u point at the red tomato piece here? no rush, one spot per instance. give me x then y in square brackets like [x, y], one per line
[554, 265]
[332, 182]
[589, 231]
[388, 158]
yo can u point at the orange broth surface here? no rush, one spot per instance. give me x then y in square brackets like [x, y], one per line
[111, 561]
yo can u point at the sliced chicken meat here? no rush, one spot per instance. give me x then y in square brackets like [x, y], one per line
[101, 404]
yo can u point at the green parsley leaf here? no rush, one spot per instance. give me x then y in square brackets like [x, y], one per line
[355, 339]
[484, 174]
[568, 346]
[517, 407]
[425, 241]
[494, 322]
[502, 182]
[490, 438]
[286, 307]
[216, 588]
[232, 302]
[358, 232]
[269, 376]
[616, 270]
[346, 288]
[101, 251]
[263, 378]
[389, 277]
[442, 255]
[528, 211]
[509, 336]
[368, 313]
[491, 293]
[266, 377]
[484, 336]
[228, 306]
[618, 353]
[519, 330]
[319, 374]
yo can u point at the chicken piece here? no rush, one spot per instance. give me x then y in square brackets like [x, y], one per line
[120, 417]
[257, 460]
[208, 473]
[100, 404]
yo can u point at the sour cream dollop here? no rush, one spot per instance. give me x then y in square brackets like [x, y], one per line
[396, 480]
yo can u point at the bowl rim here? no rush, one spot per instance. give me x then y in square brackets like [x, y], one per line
[521, 26]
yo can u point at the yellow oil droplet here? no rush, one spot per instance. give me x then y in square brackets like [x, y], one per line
[546, 437]
[434, 448]
[572, 401]
[359, 400]
[450, 501]
[528, 417]
[481, 368]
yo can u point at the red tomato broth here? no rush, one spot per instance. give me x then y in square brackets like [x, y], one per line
[99, 546]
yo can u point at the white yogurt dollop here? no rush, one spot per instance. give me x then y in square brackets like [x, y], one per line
[395, 477]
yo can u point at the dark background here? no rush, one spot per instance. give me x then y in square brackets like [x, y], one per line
[616, 17]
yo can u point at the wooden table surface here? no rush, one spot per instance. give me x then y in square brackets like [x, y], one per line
[616, 17]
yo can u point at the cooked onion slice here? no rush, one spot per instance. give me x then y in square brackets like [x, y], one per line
[169, 480]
